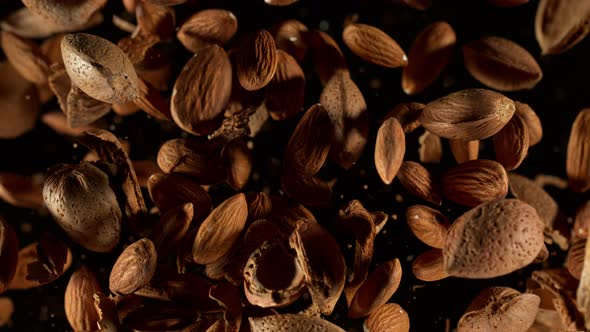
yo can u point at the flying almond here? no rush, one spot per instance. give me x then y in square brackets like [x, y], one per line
[374, 45]
[78, 301]
[532, 122]
[559, 25]
[66, 13]
[470, 114]
[474, 182]
[464, 150]
[257, 61]
[209, 26]
[428, 225]
[134, 268]
[418, 181]
[578, 153]
[290, 323]
[390, 148]
[511, 144]
[26, 57]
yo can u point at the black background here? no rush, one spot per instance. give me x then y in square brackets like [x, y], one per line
[557, 99]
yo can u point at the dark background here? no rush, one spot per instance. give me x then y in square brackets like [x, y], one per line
[557, 99]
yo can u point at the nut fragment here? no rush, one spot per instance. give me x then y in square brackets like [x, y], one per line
[134, 268]
[291, 323]
[418, 181]
[559, 25]
[429, 225]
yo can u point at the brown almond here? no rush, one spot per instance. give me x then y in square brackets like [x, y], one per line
[429, 266]
[8, 254]
[408, 115]
[377, 289]
[257, 61]
[143, 50]
[21, 191]
[529, 192]
[134, 268]
[430, 150]
[532, 122]
[464, 150]
[209, 26]
[292, 36]
[578, 156]
[390, 317]
[373, 45]
[280, 2]
[26, 57]
[470, 114]
[474, 182]
[238, 163]
[196, 108]
[78, 300]
[19, 103]
[327, 56]
[430, 53]
[390, 148]
[99, 68]
[65, 13]
[511, 144]
[288, 322]
[350, 120]
[170, 190]
[220, 230]
[517, 311]
[559, 25]
[6, 310]
[200, 161]
[507, 3]
[172, 227]
[574, 262]
[418, 181]
[285, 92]
[259, 205]
[428, 225]
[501, 64]
[493, 239]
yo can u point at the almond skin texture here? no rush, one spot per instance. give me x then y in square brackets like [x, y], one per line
[390, 317]
[578, 153]
[99, 68]
[257, 61]
[78, 301]
[430, 266]
[134, 268]
[470, 114]
[559, 25]
[429, 225]
[511, 144]
[501, 64]
[429, 55]
[474, 182]
[418, 181]
[82, 202]
[292, 323]
[374, 45]
[209, 26]
[196, 108]
[390, 148]
[493, 239]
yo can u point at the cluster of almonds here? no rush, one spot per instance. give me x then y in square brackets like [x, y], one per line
[242, 264]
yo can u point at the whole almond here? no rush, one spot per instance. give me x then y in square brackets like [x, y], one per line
[99, 68]
[470, 114]
[196, 108]
[285, 92]
[493, 239]
[78, 301]
[190, 157]
[390, 317]
[134, 268]
[390, 148]
[418, 181]
[474, 182]
[82, 202]
[373, 45]
[464, 150]
[209, 26]
[428, 225]
[347, 109]
[220, 230]
[578, 153]
[290, 323]
[511, 144]
[532, 122]
[430, 53]
[26, 57]
[501, 64]
[430, 266]
[292, 36]
[574, 261]
[559, 25]
[257, 61]
[238, 163]
[408, 115]
[65, 13]
[8, 254]
[155, 20]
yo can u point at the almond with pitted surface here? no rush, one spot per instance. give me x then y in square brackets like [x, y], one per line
[134, 268]
[493, 239]
[474, 182]
[428, 225]
[257, 61]
[390, 148]
[511, 144]
[559, 25]
[470, 114]
[390, 317]
[99, 68]
[209, 26]
[292, 323]
[373, 45]
[78, 301]
[169, 190]
[8, 254]
[197, 108]
[66, 13]
[577, 165]
[418, 181]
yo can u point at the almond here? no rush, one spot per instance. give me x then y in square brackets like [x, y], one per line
[200, 161]
[169, 190]
[155, 19]
[464, 150]
[196, 108]
[474, 182]
[26, 57]
[82, 110]
[78, 301]
[574, 261]
[560, 25]
[172, 227]
[209, 26]
[308, 190]
[238, 163]
[134, 268]
[257, 61]
[578, 156]
[418, 181]
[373, 45]
[470, 114]
[65, 12]
[390, 317]
[292, 36]
[428, 225]
[501, 64]
[532, 122]
[285, 92]
[430, 53]
[29, 256]
[288, 322]
[327, 56]
[8, 254]
[529, 192]
[511, 144]
[390, 148]
[430, 266]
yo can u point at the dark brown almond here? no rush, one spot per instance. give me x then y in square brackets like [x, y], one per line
[257, 61]
[285, 92]
[288, 322]
[430, 150]
[220, 230]
[26, 57]
[559, 25]
[408, 115]
[259, 205]
[21, 191]
[322, 262]
[577, 164]
[170, 190]
[134, 268]
[196, 108]
[292, 36]
[464, 150]
[172, 227]
[350, 120]
[377, 289]
[51, 49]
[309, 145]
[532, 122]
[501, 64]
[65, 13]
[428, 225]
[209, 26]
[19, 103]
[8, 254]
[238, 161]
[574, 262]
[390, 317]
[493, 239]
[474, 182]
[529, 192]
[78, 300]
[200, 161]
[327, 56]
[390, 148]
[517, 311]
[470, 114]
[373, 45]
[156, 20]
[430, 53]
[511, 144]
[418, 181]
